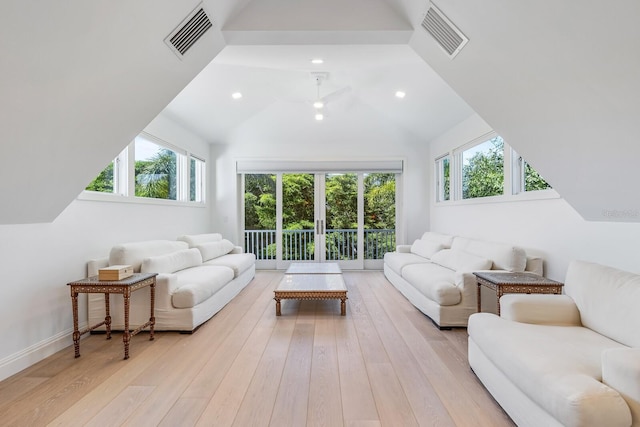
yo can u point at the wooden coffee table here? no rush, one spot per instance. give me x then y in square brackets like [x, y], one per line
[314, 268]
[312, 287]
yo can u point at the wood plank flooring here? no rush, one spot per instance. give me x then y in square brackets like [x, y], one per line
[384, 364]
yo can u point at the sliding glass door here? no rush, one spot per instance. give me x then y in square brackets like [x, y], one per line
[348, 218]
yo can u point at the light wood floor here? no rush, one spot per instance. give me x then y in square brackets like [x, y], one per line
[384, 364]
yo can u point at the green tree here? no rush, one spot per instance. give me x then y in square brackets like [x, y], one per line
[156, 177]
[483, 174]
[341, 201]
[380, 201]
[104, 181]
[532, 179]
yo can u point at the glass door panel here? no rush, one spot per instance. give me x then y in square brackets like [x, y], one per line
[260, 218]
[298, 217]
[379, 217]
[342, 219]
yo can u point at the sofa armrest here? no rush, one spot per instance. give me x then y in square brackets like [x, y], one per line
[237, 250]
[540, 309]
[403, 249]
[621, 372]
[95, 264]
[166, 285]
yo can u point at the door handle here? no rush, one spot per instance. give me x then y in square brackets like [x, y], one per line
[322, 226]
[317, 226]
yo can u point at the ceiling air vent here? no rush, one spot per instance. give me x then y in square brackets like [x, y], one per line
[443, 31]
[189, 31]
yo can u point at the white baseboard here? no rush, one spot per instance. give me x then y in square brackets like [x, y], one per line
[16, 362]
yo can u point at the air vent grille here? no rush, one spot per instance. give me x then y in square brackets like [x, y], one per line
[444, 32]
[189, 31]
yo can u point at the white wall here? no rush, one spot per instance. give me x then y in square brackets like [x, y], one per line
[550, 228]
[289, 132]
[38, 260]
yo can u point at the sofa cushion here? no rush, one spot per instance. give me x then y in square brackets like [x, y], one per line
[198, 284]
[239, 263]
[460, 260]
[434, 281]
[211, 250]
[504, 256]
[591, 285]
[135, 252]
[197, 239]
[558, 367]
[172, 262]
[397, 260]
[445, 240]
[425, 248]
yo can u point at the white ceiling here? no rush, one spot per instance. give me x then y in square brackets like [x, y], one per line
[364, 45]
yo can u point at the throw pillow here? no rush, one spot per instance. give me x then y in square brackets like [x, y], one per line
[425, 248]
[213, 250]
[458, 260]
[172, 262]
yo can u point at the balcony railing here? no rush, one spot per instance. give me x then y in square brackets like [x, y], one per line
[299, 245]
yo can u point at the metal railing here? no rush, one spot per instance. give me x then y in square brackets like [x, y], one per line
[341, 244]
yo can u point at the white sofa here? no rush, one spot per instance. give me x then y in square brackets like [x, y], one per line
[565, 360]
[198, 276]
[435, 273]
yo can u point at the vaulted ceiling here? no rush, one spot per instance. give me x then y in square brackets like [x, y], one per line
[558, 81]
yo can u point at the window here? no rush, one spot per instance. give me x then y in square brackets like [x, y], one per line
[196, 179]
[443, 179]
[379, 214]
[526, 178]
[156, 170]
[159, 171]
[483, 169]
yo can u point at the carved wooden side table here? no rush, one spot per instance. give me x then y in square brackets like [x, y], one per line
[516, 283]
[92, 285]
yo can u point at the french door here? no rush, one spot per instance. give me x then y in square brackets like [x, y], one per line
[348, 218]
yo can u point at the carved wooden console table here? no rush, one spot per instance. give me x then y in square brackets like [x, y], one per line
[516, 283]
[125, 287]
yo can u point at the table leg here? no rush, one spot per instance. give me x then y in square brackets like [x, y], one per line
[343, 306]
[126, 337]
[278, 312]
[152, 319]
[107, 316]
[479, 301]
[76, 332]
[498, 295]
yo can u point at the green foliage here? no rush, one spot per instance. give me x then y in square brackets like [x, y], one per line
[156, 178]
[342, 201]
[483, 174]
[380, 201]
[104, 181]
[532, 179]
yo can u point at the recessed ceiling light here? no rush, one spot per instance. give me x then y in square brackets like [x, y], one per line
[319, 116]
[236, 95]
[318, 104]
[400, 94]
[317, 61]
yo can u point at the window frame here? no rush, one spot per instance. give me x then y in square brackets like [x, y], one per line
[512, 179]
[124, 177]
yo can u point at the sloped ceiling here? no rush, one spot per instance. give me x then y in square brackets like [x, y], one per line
[79, 81]
[559, 81]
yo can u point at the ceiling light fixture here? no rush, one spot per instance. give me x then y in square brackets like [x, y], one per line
[400, 94]
[318, 104]
[236, 95]
[319, 116]
[317, 61]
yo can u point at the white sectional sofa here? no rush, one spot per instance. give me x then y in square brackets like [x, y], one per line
[565, 360]
[198, 275]
[435, 273]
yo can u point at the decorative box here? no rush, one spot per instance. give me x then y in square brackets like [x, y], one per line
[115, 272]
